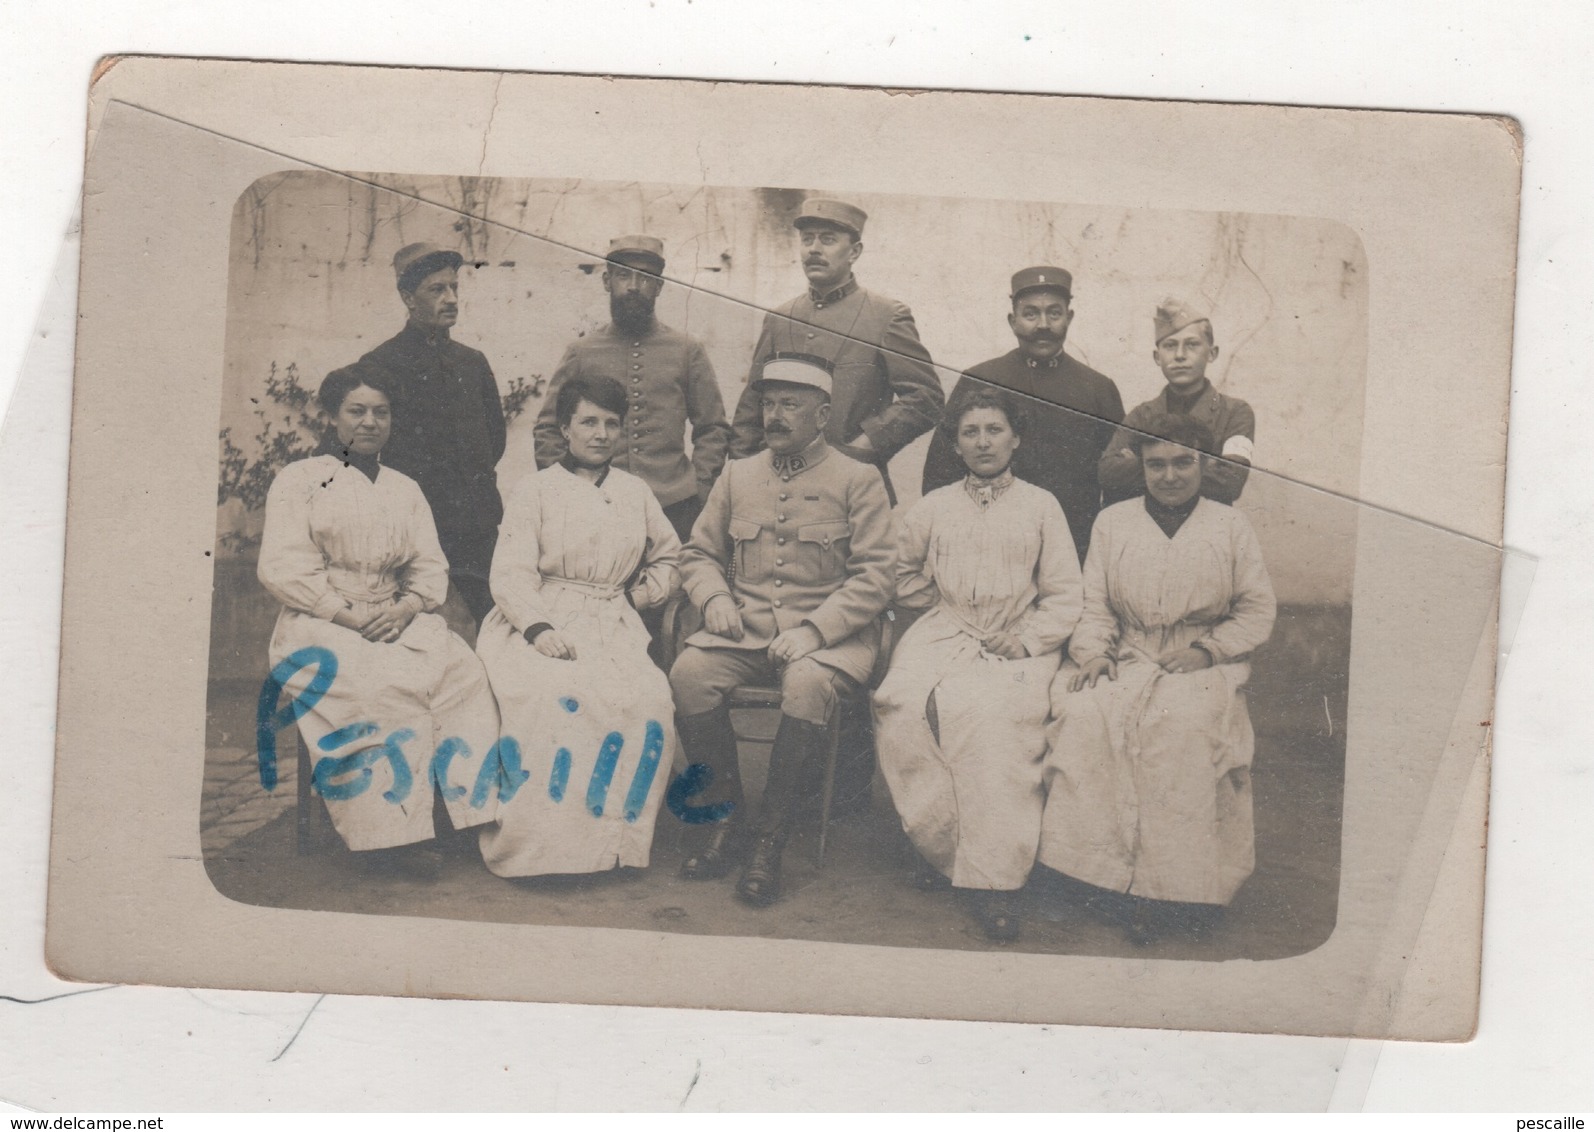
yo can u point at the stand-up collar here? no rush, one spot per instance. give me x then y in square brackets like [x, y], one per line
[799, 462]
[986, 491]
[835, 296]
[414, 336]
[1186, 402]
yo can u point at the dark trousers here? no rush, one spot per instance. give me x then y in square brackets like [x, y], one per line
[470, 561]
[682, 514]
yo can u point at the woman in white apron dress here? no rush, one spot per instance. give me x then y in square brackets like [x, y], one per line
[390, 702]
[583, 546]
[960, 718]
[1148, 772]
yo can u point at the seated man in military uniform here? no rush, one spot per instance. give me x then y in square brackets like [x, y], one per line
[791, 564]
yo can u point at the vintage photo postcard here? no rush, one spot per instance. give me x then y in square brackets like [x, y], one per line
[783, 548]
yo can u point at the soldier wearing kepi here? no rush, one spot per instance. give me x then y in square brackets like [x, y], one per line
[1184, 348]
[668, 381]
[448, 419]
[886, 391]
[791, 564]
[1072, 408]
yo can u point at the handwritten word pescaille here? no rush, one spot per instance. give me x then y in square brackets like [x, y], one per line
[340, 777]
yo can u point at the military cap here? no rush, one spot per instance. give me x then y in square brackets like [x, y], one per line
[1172, 316]
[825, 210]
[797, 369]
[650, 248]
[415, 262]
[1043, 279]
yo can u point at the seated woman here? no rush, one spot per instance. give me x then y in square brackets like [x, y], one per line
[350, 551]
[1148, 768]
[960, 717]
[583, 546]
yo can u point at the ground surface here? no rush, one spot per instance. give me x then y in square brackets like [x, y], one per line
[862, 894]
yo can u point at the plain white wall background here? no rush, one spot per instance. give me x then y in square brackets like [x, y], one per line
[1534, 1050]
[311, 283]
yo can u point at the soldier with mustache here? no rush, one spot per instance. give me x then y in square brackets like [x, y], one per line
[448, 420]
[1072, 408]
[887, 392]
[668, 382]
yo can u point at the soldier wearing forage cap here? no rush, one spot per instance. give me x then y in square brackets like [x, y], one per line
[668, 382]
[1072, 408]
[1184, 347]
[886, 391]
[791, 563]
[448, 420]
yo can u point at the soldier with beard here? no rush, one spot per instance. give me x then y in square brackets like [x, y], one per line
[668, 381]
[1072, 408]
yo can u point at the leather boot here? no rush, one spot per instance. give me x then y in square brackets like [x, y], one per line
[797, 745]
[713, 846]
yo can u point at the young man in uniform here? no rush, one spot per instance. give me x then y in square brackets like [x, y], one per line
[1184, 348]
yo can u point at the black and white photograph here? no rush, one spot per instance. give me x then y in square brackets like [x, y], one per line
[826, 586]
[503, 533]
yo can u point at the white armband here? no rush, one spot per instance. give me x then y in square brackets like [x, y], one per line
[1238, 448]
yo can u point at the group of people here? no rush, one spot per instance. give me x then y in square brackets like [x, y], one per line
[1091, 720]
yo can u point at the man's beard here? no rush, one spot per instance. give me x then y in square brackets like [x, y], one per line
[631, 312]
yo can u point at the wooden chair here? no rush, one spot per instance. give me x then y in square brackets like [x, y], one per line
[305, 807]
[681, 620]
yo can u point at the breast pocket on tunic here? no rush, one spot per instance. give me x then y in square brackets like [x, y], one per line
[824, 548]
[748, 554]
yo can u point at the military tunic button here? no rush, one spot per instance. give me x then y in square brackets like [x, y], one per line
[636, 343]
[780, 542]
[780, 518]
[777, 582]
[810, 334]
[783, 497]
[777, 603]
[638, 353]
[780, 562]
[785, 479]
[634, 380]
[636, 367]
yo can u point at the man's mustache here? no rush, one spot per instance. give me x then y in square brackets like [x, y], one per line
[776, 426]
